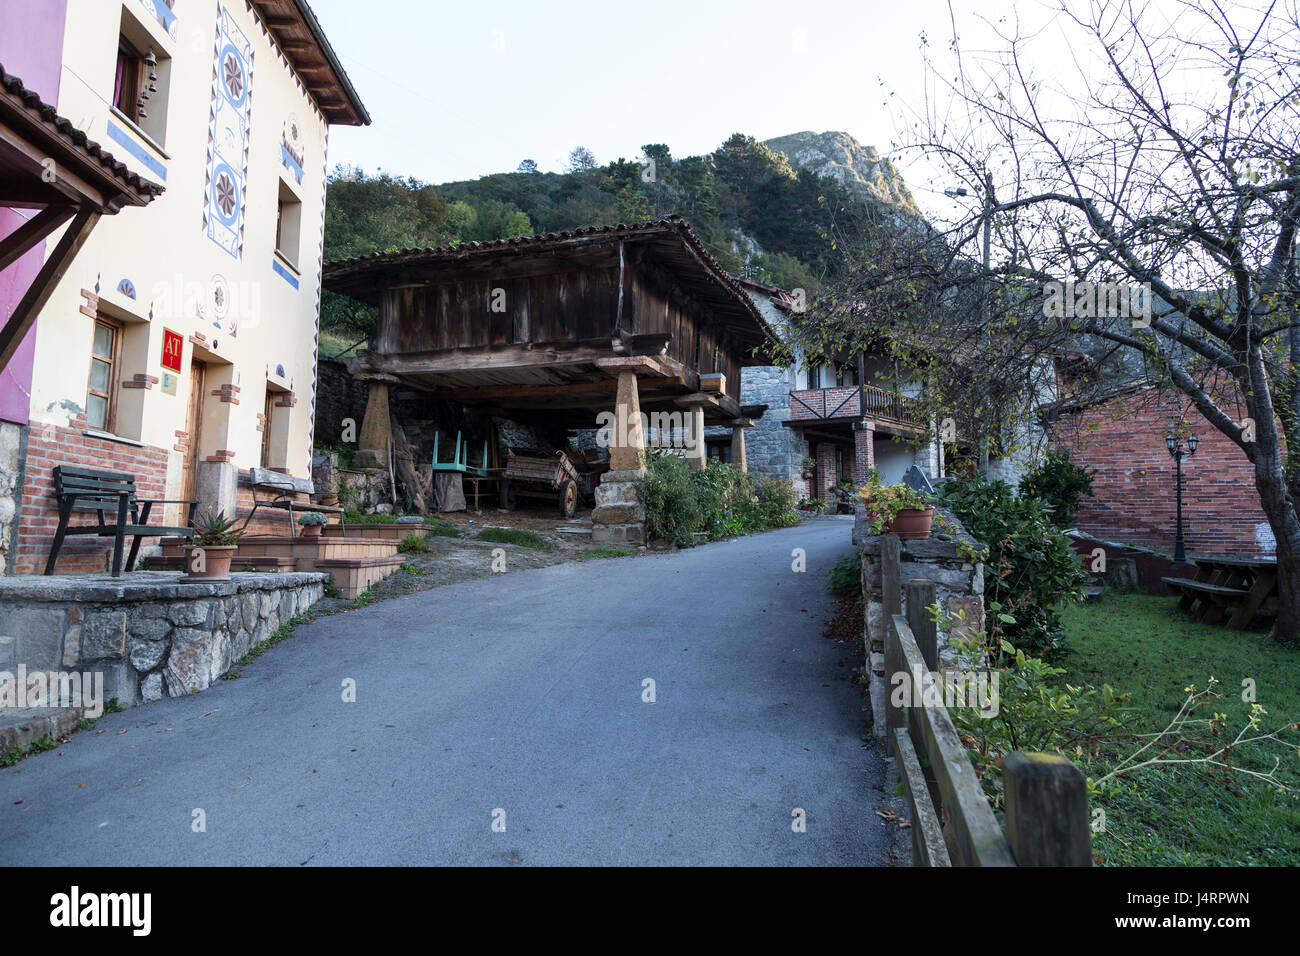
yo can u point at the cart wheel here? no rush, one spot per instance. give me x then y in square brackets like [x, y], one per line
[508, 500]
[568, 498]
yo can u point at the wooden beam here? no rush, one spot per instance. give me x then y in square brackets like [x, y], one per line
[15, 245]
[529, 391]
[486, 359]
[42, 287]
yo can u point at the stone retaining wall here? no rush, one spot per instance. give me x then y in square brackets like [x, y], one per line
[151, 635]
[943, 558]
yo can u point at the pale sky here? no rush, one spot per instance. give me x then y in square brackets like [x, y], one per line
[461, 89]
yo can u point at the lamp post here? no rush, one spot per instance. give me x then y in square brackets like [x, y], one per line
[1178, 453]
[986, 306]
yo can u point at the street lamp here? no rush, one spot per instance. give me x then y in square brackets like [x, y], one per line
[986, 306]
[1178, 453]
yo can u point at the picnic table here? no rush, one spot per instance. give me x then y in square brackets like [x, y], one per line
[1238, 589]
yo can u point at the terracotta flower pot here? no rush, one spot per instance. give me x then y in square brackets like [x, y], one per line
[216, 562]
[911, 524]
[310, 531]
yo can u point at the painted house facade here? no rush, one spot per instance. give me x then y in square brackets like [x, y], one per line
[180, 346]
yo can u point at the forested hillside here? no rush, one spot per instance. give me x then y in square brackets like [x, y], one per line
[758, 214]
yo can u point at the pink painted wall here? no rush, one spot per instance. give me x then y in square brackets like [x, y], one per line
[31, 47]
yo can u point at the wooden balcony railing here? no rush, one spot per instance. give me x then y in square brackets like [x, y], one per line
[847, 401]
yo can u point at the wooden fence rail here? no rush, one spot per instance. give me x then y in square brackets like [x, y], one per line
[1046, 802]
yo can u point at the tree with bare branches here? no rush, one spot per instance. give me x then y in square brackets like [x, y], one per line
[1164, 159]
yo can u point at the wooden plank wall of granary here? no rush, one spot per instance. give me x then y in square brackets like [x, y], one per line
[544, 310]
[659, 307]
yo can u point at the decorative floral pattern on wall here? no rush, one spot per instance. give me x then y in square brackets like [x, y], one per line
[227, 171]
[292, 153]
[161, 10]
[127, 288]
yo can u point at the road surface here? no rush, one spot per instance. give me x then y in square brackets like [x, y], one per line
[503, 721]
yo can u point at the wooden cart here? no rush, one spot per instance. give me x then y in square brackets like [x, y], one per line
[530, 474]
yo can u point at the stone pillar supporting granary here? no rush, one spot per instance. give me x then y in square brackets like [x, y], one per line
[738, 442]
[376, 427]
[619, 517]
[696, 451]
[944, 558]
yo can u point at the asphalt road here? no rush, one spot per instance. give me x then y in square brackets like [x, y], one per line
[521, 693]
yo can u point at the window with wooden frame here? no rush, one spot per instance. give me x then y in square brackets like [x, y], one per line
[128, 79]
[288, 224]
[141, 77]
[101, 392]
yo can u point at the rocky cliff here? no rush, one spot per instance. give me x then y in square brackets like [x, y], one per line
[841, 157]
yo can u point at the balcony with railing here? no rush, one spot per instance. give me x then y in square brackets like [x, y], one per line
[852, 402]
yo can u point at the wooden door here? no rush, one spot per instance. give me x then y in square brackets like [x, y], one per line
[194, 427]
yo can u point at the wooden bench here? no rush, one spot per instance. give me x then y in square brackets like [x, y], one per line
[109, 495]
[1216, 599]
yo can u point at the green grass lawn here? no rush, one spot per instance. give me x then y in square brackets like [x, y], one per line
[1141, 646]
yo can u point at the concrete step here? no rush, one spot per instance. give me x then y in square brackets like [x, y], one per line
[1093, 592]
[20, 726]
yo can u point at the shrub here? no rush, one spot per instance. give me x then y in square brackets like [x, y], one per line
[845, 577]
[777, 503]
[414, 544]
[672, 503]
[1032, 566]
[720, 501]
[1060, 484]
[1036, 711]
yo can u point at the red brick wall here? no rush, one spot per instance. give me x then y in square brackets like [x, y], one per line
[1133, 494]
[825, 402]
[273, 521]
[826, 468]
[51, 445]
[864, 453]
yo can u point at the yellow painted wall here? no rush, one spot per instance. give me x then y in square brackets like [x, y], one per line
[164, 252]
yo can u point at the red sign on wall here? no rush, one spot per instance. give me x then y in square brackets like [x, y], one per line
[172, 346]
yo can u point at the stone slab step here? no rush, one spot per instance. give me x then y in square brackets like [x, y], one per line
[1092, 593]
[20, 726]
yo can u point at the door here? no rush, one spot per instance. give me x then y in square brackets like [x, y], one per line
[194, 427]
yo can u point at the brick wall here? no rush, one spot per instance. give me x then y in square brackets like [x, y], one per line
[827, 475]
[51, 445]
[1133, 497]
[864, 452]
[273, 521]
[837, 402]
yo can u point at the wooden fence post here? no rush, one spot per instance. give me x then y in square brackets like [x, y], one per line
[891, 554]
[921, 594]
[1046, 810]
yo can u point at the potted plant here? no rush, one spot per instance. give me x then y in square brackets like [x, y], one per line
[312, 523]
[213, 547]
[897, 509]
[329, 500]
[808, 465]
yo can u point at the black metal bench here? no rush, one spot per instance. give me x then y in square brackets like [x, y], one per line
[111, 496]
